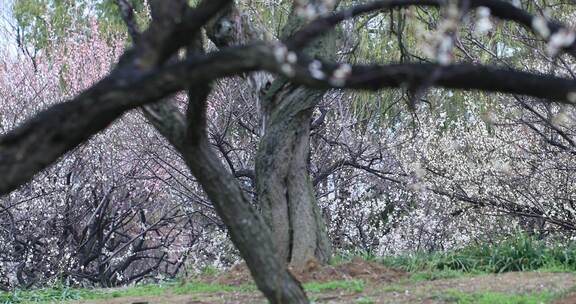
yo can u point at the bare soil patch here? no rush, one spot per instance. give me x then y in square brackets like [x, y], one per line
[569, 299]
[211, 298]
[357, 269]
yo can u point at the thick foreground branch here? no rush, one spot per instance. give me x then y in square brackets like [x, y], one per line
[49, 134]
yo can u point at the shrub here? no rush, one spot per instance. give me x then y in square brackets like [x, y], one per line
[518, 253]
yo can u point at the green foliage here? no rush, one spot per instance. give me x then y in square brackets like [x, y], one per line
[45, 22]
[109, 17]
[519, 253]
[271, 17]
[209, 271]
[454, 296]
[344, 257]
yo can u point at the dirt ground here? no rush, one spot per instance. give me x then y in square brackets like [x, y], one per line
[357, 269]
[383, 285]
[570, 299]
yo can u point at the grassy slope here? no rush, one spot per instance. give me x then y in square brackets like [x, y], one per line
[61, 294]
[362, 293]
[517, 254]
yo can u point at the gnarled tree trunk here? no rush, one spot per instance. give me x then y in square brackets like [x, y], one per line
[285, 192]
[284, 188]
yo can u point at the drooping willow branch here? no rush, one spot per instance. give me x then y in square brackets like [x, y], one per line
[500, 9]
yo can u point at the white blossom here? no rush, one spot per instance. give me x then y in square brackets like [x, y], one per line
[280, 52]
[291, 58]
[561, 39]
[340, 75]
[444, 55]
[540, 26]
[571, 97]
[483, 24]
[288, 70]
[315, 69]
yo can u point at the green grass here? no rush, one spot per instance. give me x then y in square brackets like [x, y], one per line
[59, 295]
[519, 253]
[192, 288]
[454, 296]
[394, 288]
[353, 285]
[364, 300]
[439, 275]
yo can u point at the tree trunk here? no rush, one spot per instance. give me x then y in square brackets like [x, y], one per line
[248, 230]
[285, 192]
[284, 188]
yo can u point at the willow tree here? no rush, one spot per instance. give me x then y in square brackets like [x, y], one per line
[150, 71]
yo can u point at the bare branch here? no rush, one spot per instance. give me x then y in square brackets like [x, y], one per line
[127, 13]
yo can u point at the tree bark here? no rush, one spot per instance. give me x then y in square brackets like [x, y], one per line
[285, 192]
[248, 231]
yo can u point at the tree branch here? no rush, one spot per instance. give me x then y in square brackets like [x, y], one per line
[498, 8]
[51, 133]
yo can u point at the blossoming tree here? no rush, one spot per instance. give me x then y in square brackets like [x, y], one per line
[168, 57]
